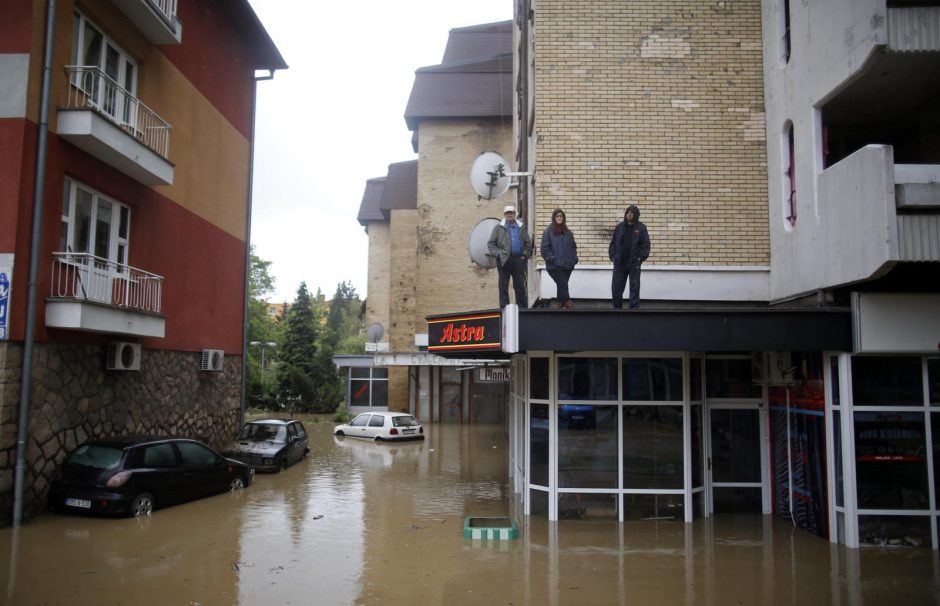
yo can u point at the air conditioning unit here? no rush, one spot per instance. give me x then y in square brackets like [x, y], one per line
[123, 356]
[212, 360]
[780, 370]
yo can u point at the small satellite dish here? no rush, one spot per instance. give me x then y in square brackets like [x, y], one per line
[490, 176]
[375, 332]
[479, 236]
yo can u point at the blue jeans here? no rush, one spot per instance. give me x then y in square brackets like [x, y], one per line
[619, 281]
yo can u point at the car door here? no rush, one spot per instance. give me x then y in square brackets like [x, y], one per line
[303, 440]
[360, 426]
[294, 450]
[158, 472]
[376, 426]
[201, 470]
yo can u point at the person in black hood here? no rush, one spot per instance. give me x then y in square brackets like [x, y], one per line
[629, 247]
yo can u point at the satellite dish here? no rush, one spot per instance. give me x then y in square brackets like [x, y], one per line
[375, 332]
[479, 236]
[489, 175]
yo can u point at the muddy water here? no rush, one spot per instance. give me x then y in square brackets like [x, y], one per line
[364, 523]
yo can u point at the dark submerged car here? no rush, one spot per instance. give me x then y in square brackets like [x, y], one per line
[133, 475]
[270, 445]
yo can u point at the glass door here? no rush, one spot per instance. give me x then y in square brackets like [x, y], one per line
[735, 462]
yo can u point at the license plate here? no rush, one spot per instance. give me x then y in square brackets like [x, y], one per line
[78, 503]
[408, 431]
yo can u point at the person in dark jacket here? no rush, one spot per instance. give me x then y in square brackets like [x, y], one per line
[561, 255]
[629, 247]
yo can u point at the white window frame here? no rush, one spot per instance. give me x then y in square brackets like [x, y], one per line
[118, 245]
[120, 104]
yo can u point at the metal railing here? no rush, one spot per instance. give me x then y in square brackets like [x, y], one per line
[90, 88]
[166, 7]
[87, 277]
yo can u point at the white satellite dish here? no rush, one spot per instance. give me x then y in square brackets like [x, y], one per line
[479, 236]
[490, 176]
[375, 332]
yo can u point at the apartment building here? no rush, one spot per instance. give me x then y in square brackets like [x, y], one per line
[419, 218]
[127, 131]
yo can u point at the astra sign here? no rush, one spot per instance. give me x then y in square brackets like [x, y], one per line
[464, 332]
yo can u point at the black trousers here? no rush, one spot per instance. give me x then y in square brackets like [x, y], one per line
[561, 277]
[515, 268]
[619, 281]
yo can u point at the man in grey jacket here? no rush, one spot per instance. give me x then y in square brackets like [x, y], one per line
[629, 247]
[511, 244]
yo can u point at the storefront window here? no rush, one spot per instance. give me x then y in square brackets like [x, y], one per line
[834, 379]
[891, 466]
[368, 387]
[837, 447]
[730, 378]
[587, 446]
[735, 445]
[587, 378]
[698, 445]
[652, 447]
[894, 531]
[887, 381]
[652, 379]
[587, 506]
[695, 367]
[933, 380]
[538, 444]
[538, 378]
[654, 507]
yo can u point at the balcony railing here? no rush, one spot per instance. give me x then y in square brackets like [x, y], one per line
[90, 278]
[166, 7]
[92, 89]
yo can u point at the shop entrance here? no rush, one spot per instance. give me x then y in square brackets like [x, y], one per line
[735, 462]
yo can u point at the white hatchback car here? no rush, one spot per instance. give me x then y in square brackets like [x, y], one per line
[382, 426]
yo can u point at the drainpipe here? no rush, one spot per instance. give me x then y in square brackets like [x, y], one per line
[251, 181]
[22, 428]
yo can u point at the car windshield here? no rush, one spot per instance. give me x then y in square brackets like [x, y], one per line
[405, 421]
[96, 457]
[258, 432]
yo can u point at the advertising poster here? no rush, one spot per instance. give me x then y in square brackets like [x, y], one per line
[6, 275]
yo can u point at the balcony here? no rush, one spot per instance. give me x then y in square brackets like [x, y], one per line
[155, 18]
[111, 124]
[96, 295]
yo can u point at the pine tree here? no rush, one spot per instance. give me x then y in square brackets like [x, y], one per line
[297, 357]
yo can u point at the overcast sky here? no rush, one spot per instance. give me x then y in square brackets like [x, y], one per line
[333, 120]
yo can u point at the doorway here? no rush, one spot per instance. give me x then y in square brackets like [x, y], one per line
[736, 462]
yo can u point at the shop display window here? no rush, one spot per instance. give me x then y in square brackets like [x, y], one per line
[587, 378]
[652, 379]
[652, 447]
[587, 446]
[891, 460]
[887, 381]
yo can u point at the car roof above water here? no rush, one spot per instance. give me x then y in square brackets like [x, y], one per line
[129, 441]
[272, 422]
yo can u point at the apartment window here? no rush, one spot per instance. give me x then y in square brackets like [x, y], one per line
[93, 224]
[783, 18]
[110, 77]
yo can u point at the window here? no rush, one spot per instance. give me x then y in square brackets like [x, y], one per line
[377, 421]
[728, 378]
[887, 381]
[361, 421]
[94, 225]
[195, 455]
[652, 379]
[587, 378]
[159, 456]
[368, 387]
[789, 176]
[109, 75]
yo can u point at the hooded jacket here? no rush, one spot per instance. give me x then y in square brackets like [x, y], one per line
[639, 245]
[500, 243]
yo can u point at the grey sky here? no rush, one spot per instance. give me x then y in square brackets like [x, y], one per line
[335, 119]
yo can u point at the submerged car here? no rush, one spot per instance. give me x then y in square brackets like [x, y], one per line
[270, 444]
[382, 426]
[133, 475]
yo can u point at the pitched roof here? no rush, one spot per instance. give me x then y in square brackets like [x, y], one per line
[401, 187]
[473, 81]
[371, 198]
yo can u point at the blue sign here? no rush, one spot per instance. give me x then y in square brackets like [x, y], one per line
[4, 303]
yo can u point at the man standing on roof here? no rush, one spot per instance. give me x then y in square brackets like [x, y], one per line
[511, 244]
[629, 247]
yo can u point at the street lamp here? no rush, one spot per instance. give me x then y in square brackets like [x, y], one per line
[263, 345]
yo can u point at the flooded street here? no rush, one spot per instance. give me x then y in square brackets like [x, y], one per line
[366, 523]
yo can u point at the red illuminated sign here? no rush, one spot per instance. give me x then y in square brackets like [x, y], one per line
[471, 332]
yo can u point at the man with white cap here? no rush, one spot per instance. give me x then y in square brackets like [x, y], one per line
[511, 244]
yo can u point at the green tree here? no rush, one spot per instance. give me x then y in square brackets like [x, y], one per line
[297, 355]
[261, 329]
[340, 334]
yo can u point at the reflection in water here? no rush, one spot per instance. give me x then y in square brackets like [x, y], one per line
[366, 523]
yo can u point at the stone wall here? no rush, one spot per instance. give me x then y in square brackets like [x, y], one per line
[75, 398]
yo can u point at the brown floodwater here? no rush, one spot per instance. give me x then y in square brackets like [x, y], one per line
[365, 523]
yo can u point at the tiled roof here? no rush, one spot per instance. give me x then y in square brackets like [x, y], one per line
[401, 187]
[371, 199]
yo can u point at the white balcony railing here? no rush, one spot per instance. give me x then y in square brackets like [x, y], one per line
[90, 278]
[166, 7]
[92, 89]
